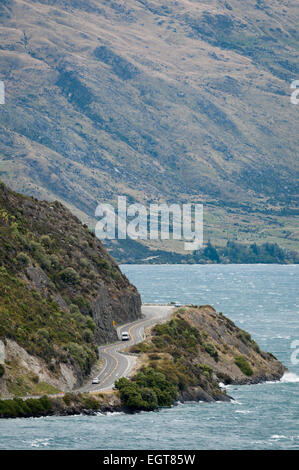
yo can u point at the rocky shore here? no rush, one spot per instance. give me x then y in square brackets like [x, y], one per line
[190, 356]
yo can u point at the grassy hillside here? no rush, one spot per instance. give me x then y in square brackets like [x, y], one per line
[42, 328]
[157, 100]
[59, 289]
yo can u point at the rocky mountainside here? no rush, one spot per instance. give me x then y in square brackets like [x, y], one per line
[159, 100]
[60, 292]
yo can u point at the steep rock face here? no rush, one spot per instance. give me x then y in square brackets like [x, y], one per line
[120, 307]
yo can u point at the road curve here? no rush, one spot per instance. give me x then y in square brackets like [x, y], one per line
[116, 363]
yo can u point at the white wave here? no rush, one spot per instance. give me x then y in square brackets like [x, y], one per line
[289, 377]
[111, 413]
[40, 442]
[236, 402]
[281, 337]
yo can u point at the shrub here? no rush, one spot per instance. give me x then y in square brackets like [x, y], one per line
[154, 356]
[69, 276]
[46, 240]
[90, 402]
[149, 396]
[25, 408]
[84, 304]
[210, 349]
[92, 275]
[102, 263]
[2, 370]
[206, 370]
[82, 354]
[43, 333]
[35, 246]
[54, 260]
[243, 365]
[116, 275]
[74, 308]
[148, 390]
[84, 262]
[35, 378]
[88, 335]
[244, 336]
[23, 259]
[140, 348]
[67, 398]
[131, 396]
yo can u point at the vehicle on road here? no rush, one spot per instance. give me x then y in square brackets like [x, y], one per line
[177, 304]
[125, 336]
[95, 381]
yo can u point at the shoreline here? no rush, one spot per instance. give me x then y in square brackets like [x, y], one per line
[70, 410]
[212, 351]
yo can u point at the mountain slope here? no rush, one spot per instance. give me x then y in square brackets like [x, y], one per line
[60, 292]
[157, 100]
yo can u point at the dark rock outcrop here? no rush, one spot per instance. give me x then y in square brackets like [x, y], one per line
[122, 307]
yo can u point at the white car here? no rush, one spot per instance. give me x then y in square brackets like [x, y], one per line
[95, 381]
[125, 336]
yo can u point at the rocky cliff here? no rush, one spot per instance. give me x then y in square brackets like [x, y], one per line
[60, 293]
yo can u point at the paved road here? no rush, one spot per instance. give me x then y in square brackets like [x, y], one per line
[118, 364]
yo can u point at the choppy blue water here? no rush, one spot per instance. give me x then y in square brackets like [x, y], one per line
[261, 299]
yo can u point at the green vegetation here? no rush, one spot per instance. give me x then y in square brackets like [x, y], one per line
[172, 367]
[69, 275]
[23, 259]
[42, 328]
[210, 349]
[233, 252]
[246, 338]
[31, 236]
[149, 390]
[21, 383]
[51, 269]
[18, 408]
[243, 365]
[188, 356]
[45, 406]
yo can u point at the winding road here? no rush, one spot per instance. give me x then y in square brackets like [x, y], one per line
[118, 364]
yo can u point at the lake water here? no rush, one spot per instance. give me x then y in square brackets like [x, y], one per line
[262, 299]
